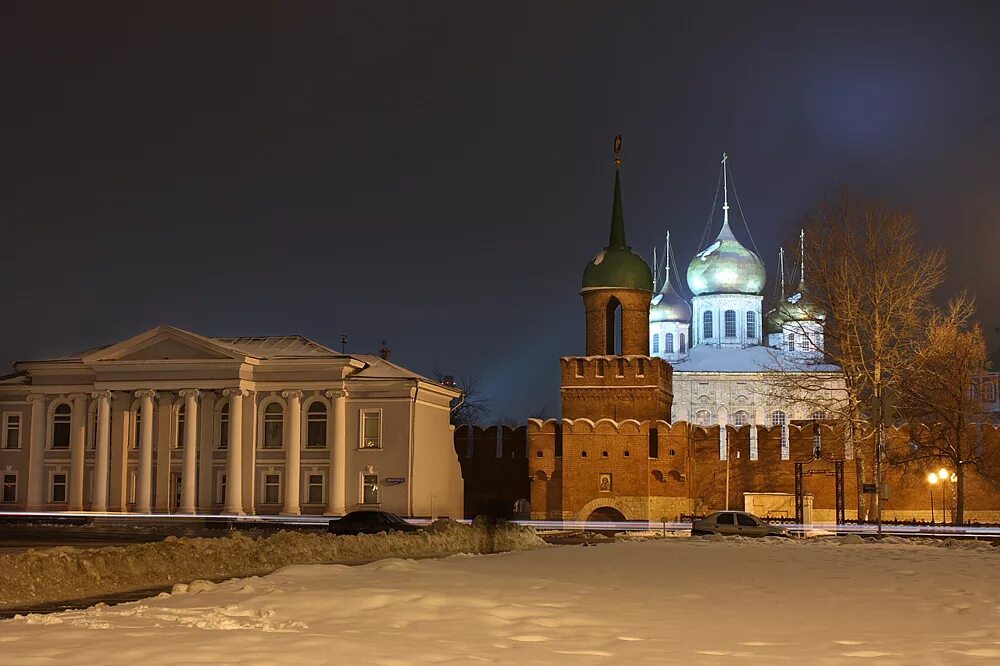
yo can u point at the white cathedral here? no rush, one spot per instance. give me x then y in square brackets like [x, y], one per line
[725, 354]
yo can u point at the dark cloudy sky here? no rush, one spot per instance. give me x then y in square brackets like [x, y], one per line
[438, 174]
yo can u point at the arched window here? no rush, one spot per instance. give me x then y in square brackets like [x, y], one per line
[224, 427]
[61, 418]
[778, 418]
[668, 343]
[751, 325]
[741, 418]
[316, 425]
[682, 347]
[656, 343]
[613, 327]
[730, 320]
[274, 423]
[703, 417]
[706, 327]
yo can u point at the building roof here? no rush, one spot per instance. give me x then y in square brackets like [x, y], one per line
[617, 266]
[757, 358]
[279, 346]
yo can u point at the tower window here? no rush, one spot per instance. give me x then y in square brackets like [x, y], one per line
[668, 341]
[682, 347]
[706, 326]
[730, 321]
[751, 325]
[656, 343]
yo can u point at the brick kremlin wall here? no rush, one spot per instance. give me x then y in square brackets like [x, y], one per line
[494, 469]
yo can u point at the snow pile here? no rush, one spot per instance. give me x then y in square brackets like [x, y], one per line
[683, 601]
[56, 574]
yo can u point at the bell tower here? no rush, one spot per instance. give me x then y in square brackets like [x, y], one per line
[611, 381]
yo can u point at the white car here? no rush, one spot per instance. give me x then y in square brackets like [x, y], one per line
[729, 523]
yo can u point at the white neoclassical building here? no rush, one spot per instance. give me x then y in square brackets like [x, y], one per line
[174, 422]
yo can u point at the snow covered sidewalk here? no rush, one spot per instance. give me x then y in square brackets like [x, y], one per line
[674, 600]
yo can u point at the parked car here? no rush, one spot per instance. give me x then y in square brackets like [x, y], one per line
[370, 522]
[729, 523]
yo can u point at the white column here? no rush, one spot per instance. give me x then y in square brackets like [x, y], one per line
[293, 451]
[144, 482]
[36, 454]
[234, 459]
[102, 451]
[337, 477]
[77, 441]
[189, 477]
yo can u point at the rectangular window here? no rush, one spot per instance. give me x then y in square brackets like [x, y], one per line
[707, 325]
[272, 489]
[730, 321]
[61, 427]
[9, 488]
[654, 443]
[316, 426]
[224, 427]
[656, 343]
[131, 487]
[790, 339]
[369, 488]
[136, 425]
[180, 428]
[314, 488]
[751, 325]
[274, 425]
[11, 431]
[220, 490]
[371, 429]
[58, 491]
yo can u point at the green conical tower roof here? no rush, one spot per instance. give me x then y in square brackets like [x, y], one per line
[617, 267]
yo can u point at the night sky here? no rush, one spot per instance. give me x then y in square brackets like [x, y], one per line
[438, 174]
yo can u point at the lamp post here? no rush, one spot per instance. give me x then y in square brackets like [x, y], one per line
[943, 474]
[932, 480]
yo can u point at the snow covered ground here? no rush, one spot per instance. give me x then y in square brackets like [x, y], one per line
[672, 600]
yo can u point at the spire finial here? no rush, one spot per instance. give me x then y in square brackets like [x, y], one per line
[725, 191]
[666, 259]
[617, 238]
[802, 257]
[655, 266]
[781, 270]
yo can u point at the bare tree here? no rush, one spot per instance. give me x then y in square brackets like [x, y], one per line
[470, 408]
[941, 397]
[869, 286]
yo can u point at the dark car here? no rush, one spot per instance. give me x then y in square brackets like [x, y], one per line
[370, 522]
[729, 523]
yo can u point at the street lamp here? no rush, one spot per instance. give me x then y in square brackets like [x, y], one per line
[932, 479]
[944, 475]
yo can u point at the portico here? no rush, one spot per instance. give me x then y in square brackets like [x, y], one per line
[174, 422]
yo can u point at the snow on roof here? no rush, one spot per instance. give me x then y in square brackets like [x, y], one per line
[750, 359]
[279, 346]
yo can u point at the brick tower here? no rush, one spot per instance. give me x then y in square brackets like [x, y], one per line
[610, 382]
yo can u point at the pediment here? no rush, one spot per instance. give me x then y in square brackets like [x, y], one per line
[165, 343]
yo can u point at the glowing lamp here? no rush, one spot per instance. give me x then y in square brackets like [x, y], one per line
[943, 474]
[932, 478]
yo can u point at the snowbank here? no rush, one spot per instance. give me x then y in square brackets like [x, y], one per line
[665, 601]
[62, 573]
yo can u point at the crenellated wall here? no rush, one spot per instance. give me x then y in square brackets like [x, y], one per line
[616, 387]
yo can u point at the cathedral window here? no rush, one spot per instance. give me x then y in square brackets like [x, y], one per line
[706, 326]
[668, 341]
[682, 347]
[778, 418]
[740, 418]
[751, 325]
[703, 417]
[656, 343]
[730, 322]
